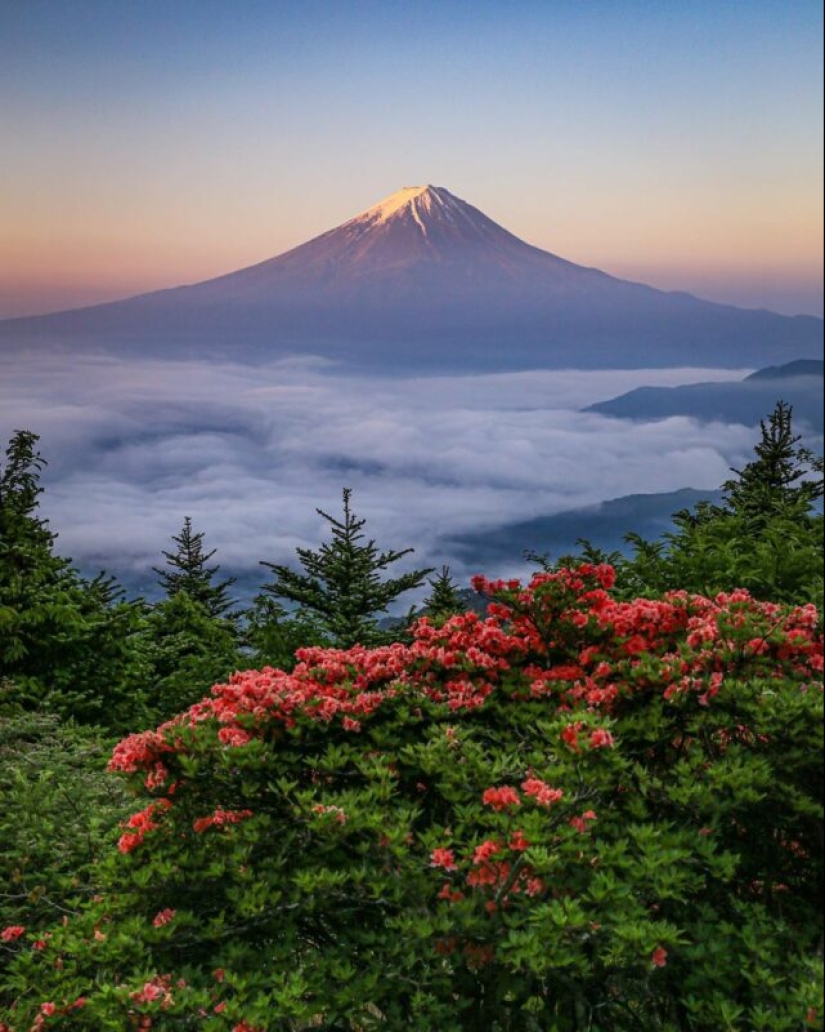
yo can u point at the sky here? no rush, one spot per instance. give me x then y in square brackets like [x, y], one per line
[151, 144]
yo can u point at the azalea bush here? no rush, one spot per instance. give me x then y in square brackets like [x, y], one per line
[577, 813]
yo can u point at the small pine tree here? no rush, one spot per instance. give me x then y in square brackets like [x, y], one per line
[341, 584]
[445, 599]
[189, 573]
[779, 476]
[189, 650]
[272, 635]
[765, 536]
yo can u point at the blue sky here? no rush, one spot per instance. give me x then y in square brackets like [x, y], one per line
[157, 143]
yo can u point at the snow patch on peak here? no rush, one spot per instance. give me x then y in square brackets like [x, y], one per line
[392, 204]
[419, 200]
[420, 203]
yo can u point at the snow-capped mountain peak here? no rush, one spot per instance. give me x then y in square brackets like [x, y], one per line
[425, 278]
[420, 204]
[407, 196]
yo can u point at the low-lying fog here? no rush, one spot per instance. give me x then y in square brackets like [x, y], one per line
[134, 446]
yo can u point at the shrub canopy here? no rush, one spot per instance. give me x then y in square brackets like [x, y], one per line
[576, 814]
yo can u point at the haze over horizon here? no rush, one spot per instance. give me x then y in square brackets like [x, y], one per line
[152, 147]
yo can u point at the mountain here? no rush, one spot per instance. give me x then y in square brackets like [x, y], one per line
[424, 280]
[604, 525]
[791, 370]
[798, 383]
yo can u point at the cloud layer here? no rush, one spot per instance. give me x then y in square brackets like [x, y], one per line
[249, 452]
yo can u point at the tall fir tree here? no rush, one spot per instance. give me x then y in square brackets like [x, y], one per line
[342, 584]
[193, 634]
[188, 571]
[30, 574]
[67, 645]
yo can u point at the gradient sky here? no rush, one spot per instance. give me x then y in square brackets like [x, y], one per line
[153, 143]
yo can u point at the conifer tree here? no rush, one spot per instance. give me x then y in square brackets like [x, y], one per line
[273, 634]
[67, 645]
[193, 636]
[188, 571]
[341, 584]
[779, 476]
[446, 598]
[30, 574]
[766, 535]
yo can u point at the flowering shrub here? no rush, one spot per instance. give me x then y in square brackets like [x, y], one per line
[576, 814]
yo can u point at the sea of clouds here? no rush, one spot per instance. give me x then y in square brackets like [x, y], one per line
[133, 446]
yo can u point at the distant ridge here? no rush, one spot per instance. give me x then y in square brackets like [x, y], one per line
[424, 280]
[802, 367]
[603, 525]
[798, 383]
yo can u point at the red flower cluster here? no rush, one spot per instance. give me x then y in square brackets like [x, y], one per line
[141, 823]
[443, 859]
[505, 798]
[539, 790]
[219, 819]
[561, 637]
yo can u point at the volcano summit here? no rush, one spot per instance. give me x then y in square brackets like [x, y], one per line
[425, 280]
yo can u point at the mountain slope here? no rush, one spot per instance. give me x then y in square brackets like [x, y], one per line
[604, 525]
[747, 401]
[424, 279]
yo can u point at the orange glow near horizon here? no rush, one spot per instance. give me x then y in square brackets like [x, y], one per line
[150, 145]
[750, 258]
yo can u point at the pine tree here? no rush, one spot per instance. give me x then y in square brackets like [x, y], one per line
[341, 583]
[189, 650]
[446, 598]
[780, 475]
[272, 634]
[67, 645]
[31, 576]
[190, 573]
[765, 536]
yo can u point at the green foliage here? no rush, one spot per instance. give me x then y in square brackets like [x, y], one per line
[779, 478]
[188, 650]
[445, 598]
[580, 815]
[767, 536]
[66, 644]
[272, 635]
[188, 572]
[341, 586]
[58, 810]
[33, 581]
[781, 558]
[354, 845]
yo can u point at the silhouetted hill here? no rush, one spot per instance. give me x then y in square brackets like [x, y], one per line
[747, 401]
[802, 367]
[604, 525]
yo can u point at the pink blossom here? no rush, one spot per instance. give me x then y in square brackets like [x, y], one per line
[163, 917]
[501, 798]
[443, 859]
